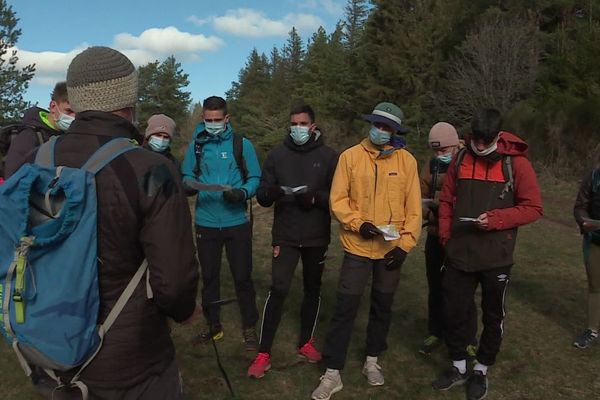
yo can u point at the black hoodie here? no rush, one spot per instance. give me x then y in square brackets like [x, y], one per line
[312, 164]
[27, 140]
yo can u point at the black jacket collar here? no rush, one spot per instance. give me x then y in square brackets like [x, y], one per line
[101, 123]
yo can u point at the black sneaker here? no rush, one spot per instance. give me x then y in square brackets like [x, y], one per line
[477, 386]
[585, 339]
[205, 336]
[449, 378]
[250, 339]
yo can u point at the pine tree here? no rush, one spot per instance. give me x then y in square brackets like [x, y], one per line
[162, 91]
[14, 81]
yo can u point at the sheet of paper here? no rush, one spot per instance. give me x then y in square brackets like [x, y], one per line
[467, 219]
[592, 223]
[206, 187]
[389, 232]
[294, 190]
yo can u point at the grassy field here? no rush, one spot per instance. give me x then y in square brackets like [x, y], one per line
[545, 309]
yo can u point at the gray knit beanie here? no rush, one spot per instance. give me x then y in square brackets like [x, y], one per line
[101, 79]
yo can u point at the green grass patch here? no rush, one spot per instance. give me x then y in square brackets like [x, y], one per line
[545, 310]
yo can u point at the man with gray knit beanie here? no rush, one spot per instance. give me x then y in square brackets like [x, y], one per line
[142, 214]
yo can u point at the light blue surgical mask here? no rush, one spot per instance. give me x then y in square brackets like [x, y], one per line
[214, 128]
[300, 134]
[378, 136]
[64, 121]
[445, 158]
[158, 143]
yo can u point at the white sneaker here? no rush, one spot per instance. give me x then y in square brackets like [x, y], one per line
[331, 383]
[372, 371]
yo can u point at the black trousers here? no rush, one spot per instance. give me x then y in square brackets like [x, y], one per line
[354, 275]
[238, 248]
[434, 263]
[459, 289]
[285, 259]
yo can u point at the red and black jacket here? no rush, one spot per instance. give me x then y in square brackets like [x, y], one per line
[479, 185]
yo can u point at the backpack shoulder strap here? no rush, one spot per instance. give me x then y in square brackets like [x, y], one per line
[507, 170]
[238, 154]
[459, 158]
[39, 136]
[45, 154]
[107, 153]
[198, 153]
[595, 180]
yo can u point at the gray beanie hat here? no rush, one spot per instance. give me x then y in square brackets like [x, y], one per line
[101, 79]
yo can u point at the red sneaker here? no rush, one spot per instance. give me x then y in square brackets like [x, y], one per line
[309, 351]
[260, 365]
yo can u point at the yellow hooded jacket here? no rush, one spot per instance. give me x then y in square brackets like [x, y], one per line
[382, 190]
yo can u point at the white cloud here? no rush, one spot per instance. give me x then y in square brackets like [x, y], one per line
[152, 44]
[50, 66]
[252, 23]
[330, 6]
[165, 41]
[198, 21]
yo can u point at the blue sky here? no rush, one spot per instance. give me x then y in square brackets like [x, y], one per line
[212, 39]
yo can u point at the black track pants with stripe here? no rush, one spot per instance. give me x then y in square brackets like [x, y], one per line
[459, 290]
[285, 260]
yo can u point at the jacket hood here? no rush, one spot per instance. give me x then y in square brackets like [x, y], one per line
[33, 117]
[316, 140]
[201, 136]
[512, 145]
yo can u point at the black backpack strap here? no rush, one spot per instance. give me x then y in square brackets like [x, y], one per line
[434, 168]
[238, 154]
[198, 152]
[595, 180]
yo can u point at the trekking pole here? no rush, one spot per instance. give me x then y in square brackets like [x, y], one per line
[219, 303]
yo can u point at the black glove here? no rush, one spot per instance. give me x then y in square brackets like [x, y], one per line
[234, 195]
[275, 192]
[305, 201]
[368, 230]
[394, 258]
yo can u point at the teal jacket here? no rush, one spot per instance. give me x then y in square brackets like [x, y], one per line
[218, 166]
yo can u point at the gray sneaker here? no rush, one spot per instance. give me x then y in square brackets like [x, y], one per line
[372, 371]
[330, 383]
[585, 339]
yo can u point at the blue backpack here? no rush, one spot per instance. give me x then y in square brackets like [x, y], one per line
[49, 295]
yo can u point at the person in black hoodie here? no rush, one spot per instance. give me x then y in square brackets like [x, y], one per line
[296, 178]
[39, 126]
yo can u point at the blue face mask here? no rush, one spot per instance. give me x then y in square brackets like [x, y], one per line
[299, 134]
[158, 143]
[379, 137]
[445, 158]
[214, 128]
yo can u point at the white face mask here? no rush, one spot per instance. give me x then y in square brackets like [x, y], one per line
[64, 121]
[489, 150]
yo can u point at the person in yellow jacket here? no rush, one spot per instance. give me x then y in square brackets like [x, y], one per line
[376, 197]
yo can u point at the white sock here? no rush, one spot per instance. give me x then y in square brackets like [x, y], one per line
[481, 367]
[371, 359]
[331, 371]
[461, 366]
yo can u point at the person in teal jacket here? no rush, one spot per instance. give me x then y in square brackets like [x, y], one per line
[222, 167]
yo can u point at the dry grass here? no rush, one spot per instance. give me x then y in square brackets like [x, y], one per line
[545, 309]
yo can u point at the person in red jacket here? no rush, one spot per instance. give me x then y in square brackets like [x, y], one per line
[490, 190]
